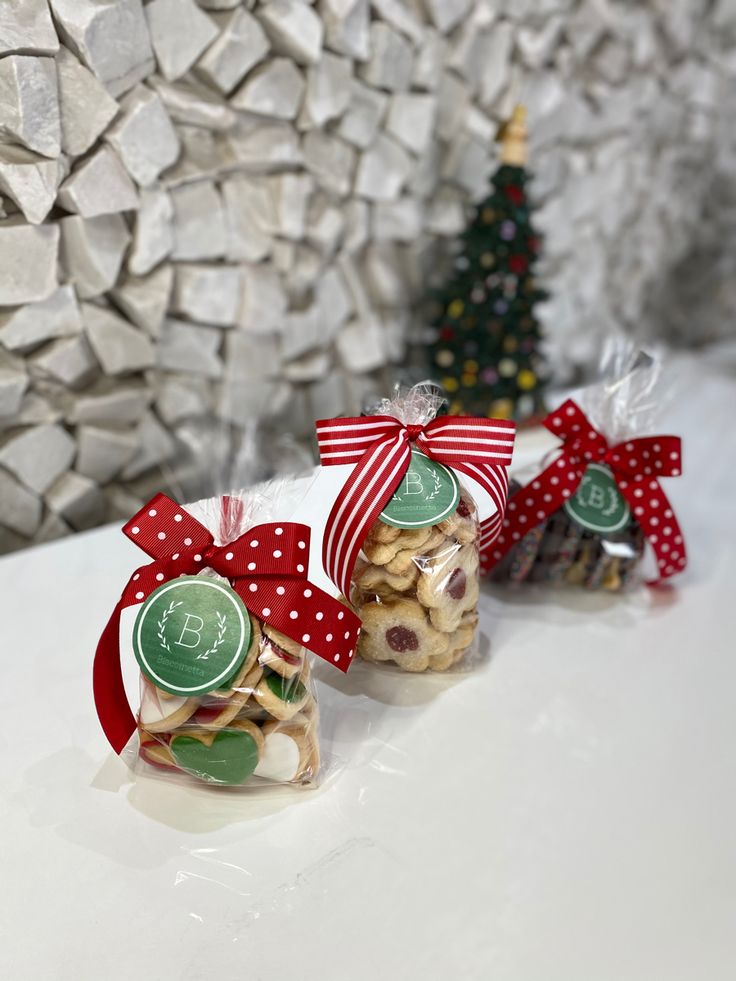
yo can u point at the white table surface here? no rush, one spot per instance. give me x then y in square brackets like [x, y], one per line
[565, 813]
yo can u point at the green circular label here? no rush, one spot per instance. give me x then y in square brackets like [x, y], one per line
[598, 504]
[191, 635]
[428, 493]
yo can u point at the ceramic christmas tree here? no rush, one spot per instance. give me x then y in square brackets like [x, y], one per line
[486, 352]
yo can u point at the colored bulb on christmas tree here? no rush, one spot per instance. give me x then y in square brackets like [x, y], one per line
[526, 379]
[501, 409]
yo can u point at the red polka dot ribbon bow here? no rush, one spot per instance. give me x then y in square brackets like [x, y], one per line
[267, 567]
[379, 446]
[636, 465]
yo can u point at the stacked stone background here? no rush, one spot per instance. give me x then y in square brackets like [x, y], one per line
[230, 209]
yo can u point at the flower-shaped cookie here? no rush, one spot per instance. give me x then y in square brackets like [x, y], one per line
[463, 524]
[399, 631]
[448, 586]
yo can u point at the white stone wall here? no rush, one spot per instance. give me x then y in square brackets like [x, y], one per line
[223, 208]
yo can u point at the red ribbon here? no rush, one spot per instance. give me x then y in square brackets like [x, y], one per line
[379, 447]
[268, 569]
[636, 466]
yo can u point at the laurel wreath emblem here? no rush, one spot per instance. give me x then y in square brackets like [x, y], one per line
[162, 624]
[429, 497]
[437, 487]
[221, 631]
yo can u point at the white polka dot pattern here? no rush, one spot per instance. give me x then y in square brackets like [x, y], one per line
[267, 570]
[630, 463]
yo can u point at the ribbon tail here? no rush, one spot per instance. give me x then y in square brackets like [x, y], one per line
[494, 480]
[529, 507]
[359, 503]
[657, 520]
[111, 702]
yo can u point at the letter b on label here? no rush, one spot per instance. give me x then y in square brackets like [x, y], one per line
[195, 631]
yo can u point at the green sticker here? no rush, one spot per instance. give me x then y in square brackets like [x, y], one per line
[191, 635]
[598, 504]
[428, 493]
[230, 760]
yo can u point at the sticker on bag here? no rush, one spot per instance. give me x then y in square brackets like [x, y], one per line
[597, 504]
[191, 635]
[428, 493]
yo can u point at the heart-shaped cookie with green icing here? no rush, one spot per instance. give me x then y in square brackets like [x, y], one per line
[226, 757]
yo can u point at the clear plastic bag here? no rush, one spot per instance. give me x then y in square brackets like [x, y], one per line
[261, 727]
[567, 547]
[559, 552]
[416, 589]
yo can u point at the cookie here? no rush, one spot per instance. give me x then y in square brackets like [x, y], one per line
[578, 571]
[380, 553]
[281, 654]
[525, 554]
[236, 683]
[560, 547]
[399, 630]
[463, 524]
[158, 714]
[382, 533]
[449, 587]
[292, 647]
[224, 756]
[402, 562]
[216, 713]
[290, 753]
[281, 697]
[155, 751]
[376, 579]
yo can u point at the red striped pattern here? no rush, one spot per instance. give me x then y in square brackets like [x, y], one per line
[379, 448]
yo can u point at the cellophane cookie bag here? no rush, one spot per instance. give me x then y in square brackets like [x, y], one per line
[593, 513]
[221, 623]
[403, 538]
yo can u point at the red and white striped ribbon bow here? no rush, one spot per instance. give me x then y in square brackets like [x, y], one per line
[379, 447]
[636, 465]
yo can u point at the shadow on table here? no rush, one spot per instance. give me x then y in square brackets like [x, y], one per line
[389, 685]
[365, 714]
[533, 602]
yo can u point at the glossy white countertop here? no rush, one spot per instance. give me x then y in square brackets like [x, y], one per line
[567, 812]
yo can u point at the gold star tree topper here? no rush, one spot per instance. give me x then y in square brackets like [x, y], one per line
[513, 139]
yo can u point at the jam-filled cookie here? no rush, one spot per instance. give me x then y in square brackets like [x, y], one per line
[449, 586]
[399, 631]
[462, 525]
[280, 653]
